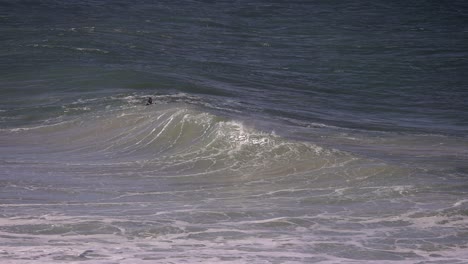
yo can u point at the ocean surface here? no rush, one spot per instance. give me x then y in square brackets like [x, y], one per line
[280, 131]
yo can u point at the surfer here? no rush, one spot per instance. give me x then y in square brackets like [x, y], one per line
[150, 101]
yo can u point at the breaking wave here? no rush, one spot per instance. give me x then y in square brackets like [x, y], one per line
[171, 140]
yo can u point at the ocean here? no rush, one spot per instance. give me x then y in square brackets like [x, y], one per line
[280, 131]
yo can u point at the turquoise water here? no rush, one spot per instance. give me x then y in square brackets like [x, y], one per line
[281, 132]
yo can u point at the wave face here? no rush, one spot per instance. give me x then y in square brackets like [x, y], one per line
[167, 141]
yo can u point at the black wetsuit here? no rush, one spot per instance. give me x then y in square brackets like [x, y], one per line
[150, 101]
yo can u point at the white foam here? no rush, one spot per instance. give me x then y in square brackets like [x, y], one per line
[460, 203]
[186, 248]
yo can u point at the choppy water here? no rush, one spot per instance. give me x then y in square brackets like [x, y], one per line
[281, 132]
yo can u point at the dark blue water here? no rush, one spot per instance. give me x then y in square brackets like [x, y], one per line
[288, 118]
[362, 65]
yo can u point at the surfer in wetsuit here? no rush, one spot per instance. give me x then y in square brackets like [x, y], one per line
[150, 101]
